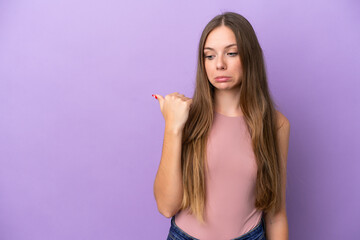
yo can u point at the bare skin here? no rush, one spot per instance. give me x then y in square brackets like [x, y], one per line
[168, 188]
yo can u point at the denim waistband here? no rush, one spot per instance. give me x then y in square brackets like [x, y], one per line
[257, 233]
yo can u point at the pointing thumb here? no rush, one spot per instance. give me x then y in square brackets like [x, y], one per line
[160, 98]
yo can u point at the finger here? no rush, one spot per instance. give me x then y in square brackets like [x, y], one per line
[160, 99]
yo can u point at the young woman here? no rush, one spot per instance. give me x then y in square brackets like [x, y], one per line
[222, 173]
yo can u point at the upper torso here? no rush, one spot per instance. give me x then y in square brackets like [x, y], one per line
[230, 184]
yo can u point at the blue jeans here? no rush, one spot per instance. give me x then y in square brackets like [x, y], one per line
[257, 233]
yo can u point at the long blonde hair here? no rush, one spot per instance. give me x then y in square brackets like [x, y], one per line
[259, 114]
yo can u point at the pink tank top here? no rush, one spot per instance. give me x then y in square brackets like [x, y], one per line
[230, 191]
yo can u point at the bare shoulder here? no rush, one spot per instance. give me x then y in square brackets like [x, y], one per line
[282, 122]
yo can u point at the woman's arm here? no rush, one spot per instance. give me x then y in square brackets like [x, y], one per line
[277, 227]
[168, 188]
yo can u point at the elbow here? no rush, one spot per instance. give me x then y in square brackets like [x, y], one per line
[165, 209]
[167, 212]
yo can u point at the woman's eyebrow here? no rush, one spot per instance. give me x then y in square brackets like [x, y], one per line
[234, 44]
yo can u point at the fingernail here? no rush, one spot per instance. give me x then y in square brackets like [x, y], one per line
[154, 96]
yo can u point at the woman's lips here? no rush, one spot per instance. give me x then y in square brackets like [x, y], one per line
[222, 79]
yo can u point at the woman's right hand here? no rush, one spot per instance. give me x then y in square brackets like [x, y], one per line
[175, 108]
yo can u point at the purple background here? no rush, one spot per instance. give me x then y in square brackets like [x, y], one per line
[81, 136]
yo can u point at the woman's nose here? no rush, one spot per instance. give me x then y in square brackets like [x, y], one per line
[220, 64]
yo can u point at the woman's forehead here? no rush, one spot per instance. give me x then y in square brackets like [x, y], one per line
[220, 38]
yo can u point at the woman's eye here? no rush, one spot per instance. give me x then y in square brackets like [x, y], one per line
[231, 54]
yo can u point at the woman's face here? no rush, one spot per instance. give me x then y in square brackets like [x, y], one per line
[221, 58]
